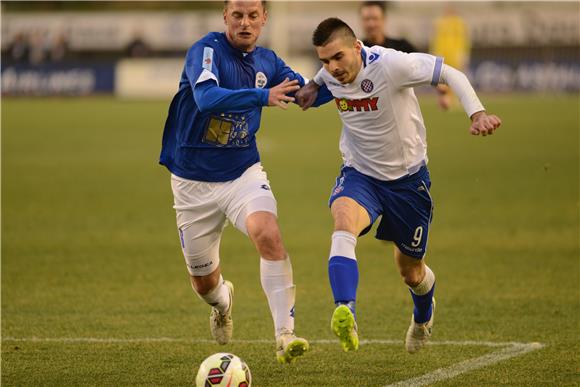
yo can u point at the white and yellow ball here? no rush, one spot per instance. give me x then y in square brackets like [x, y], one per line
[223, 369]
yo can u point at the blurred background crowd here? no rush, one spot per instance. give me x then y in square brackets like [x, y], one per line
[136, 49]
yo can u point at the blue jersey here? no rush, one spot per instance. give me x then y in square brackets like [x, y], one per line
[210, 132]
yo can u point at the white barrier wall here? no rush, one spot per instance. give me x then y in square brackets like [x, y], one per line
[159, 78]
[148, 78]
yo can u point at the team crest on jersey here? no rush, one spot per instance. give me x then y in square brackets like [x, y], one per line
[261, 80]
[350, 105]
[367, 85]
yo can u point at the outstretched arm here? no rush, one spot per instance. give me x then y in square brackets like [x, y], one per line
[481, 122]
[210, 97]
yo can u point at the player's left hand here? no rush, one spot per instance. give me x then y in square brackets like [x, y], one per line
[484, 124]
[443, 97]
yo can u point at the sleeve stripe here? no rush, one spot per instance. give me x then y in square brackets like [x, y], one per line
[206, 75]
[437, 71]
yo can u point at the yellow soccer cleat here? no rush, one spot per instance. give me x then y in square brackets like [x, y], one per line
[344, 326]
[290, 347]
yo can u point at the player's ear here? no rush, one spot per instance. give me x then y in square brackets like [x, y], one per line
[265, 18]
[357, 46]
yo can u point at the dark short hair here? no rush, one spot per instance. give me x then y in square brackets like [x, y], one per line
[328, 30]
[227, 1]
[381, 4]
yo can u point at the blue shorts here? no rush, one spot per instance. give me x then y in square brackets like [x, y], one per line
[405, 206]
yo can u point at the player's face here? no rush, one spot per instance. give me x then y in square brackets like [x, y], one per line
[373, 21]
[244, 21]
[341, 58]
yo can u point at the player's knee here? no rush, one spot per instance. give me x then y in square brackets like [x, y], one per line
[268, 241]
[204, 284]
[343, 219]
[412, 275]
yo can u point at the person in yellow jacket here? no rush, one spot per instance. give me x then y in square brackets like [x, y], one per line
[451, 41]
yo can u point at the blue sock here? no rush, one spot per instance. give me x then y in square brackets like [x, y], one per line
[343, 275]
[423, 306]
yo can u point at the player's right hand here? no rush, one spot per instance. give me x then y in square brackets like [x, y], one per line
[306, 96]
[278, 94]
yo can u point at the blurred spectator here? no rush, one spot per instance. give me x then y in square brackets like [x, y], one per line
[19, 48]
[38, 48]
[373, 16]
[451, 41]
[59, 48]
[137, 47]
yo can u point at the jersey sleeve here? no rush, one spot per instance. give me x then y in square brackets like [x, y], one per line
[319, 78]
[201, 65]
[202, 69]
[211, 98]
[414, 69]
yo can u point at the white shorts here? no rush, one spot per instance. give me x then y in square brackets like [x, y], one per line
[203, 208]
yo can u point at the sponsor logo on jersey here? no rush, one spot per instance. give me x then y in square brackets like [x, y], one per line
[207, 62]
[359, 105]
[367, 85]
[261, 80]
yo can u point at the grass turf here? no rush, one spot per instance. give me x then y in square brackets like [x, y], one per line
[89, 249]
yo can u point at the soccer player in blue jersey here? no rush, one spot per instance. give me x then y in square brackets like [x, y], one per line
[209, 146]
[384, 174]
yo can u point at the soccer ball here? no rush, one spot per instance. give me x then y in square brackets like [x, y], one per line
[223, 369]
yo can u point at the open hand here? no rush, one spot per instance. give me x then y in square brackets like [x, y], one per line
[278, 94]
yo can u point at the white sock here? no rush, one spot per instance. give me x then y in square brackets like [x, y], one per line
[343, 244]
[218, 297]
[426, 285]
[276, 278]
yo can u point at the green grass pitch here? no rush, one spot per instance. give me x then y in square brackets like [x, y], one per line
[90, 250]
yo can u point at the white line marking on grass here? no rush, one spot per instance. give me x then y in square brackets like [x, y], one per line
[508, 350]
[513, 350]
